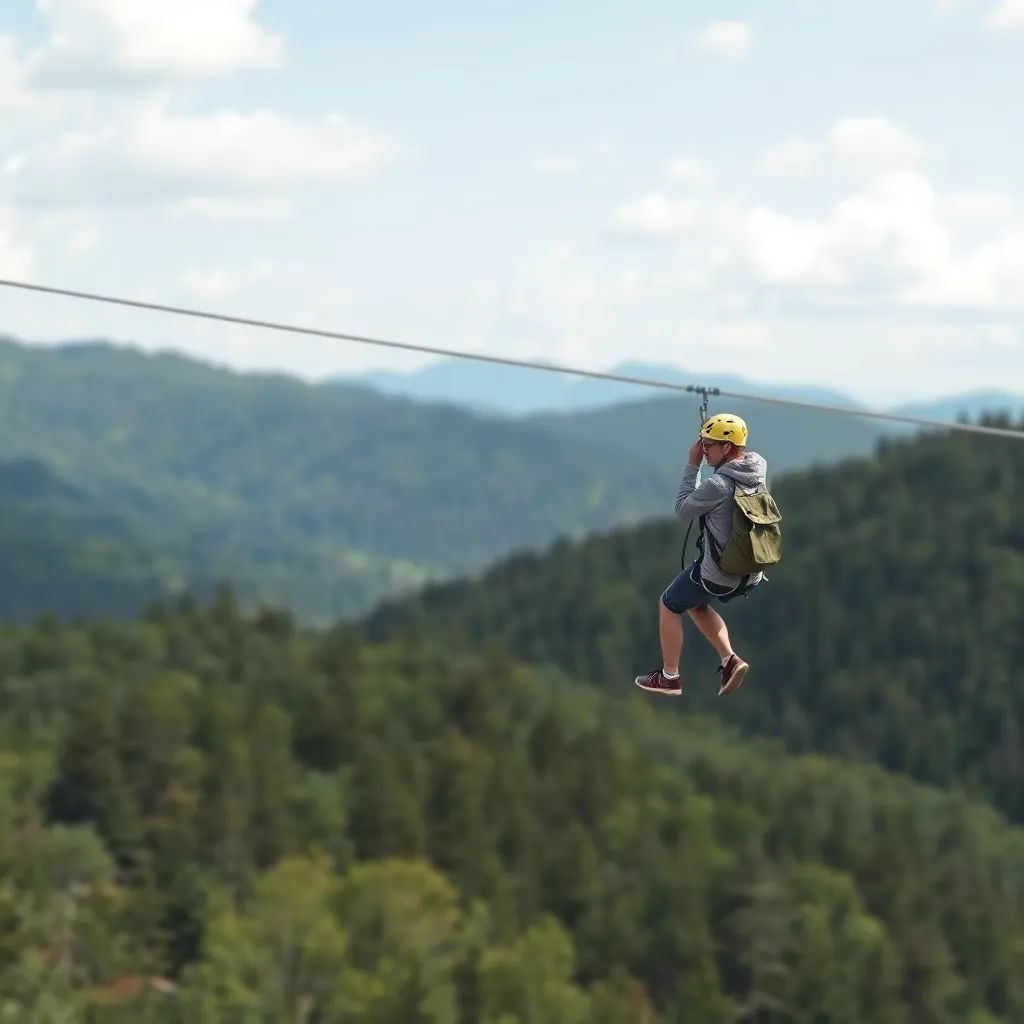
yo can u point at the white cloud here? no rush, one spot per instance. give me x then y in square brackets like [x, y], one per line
[17, 260]
[778, 248]
[860, 145]
[881, 236]
[1007, 16]
[21, 107]
[688, 170]
[65, 150]
[979, 210]
[990, 277]
[729, 39]
[894, 242]
[655, 217]
[145, 152]
[269, 209]
[890, 244]
[872, 143]
[98, 42]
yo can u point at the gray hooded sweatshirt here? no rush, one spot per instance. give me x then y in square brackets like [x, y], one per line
[714, 497]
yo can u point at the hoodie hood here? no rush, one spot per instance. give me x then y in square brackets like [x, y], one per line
[749, 472]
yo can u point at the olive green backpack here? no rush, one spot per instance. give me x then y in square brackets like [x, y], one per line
[756, 539]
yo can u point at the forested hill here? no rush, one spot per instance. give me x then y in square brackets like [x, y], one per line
[658, 431]
[323, 498]
[65, 552]
[205, 818]
[328, 498]
[892, 631]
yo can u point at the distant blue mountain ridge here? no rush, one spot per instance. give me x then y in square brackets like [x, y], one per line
[518, 391]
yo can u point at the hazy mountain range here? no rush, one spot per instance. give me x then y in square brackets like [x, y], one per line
[519, 391]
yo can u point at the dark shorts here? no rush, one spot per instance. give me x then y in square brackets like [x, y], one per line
[686, 592]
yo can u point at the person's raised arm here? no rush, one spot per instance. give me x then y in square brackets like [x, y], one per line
[693, 499]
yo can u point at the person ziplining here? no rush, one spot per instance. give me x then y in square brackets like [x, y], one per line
[739, 538]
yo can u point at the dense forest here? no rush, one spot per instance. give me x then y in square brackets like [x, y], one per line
[208, 817]
[327, 498]
[892, 631]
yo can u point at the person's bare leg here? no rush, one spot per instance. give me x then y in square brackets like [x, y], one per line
[670, 631]
[713, 626]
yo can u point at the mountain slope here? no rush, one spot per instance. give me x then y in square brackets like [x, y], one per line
[334, 495]
[659, 432]
[66, 553]
[893, 630]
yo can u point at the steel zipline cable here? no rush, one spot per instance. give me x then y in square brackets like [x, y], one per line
[1017, 435]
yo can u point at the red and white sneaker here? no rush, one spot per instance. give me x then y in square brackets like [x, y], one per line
[655, 682]
[732, 672]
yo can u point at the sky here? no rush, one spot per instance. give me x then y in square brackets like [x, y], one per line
[796, 192]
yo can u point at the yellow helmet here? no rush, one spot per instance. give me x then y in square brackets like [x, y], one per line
[725, 427]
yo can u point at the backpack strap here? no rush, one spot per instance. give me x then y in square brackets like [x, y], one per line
[713, 546]
[715, 549]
